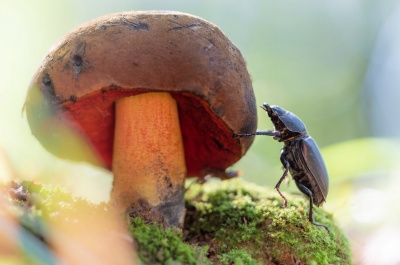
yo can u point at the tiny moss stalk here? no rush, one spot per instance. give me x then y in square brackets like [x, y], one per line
[148, 160]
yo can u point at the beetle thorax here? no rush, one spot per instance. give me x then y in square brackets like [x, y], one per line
[286, 134]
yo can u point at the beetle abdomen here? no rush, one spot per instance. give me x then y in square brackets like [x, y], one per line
[315, 164]
[301, 178]
[311, 170]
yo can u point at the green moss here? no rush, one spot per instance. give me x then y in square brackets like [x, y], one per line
[227, 222]
[237, 257]
[36, 204]
[235, 214]
[164, 246]
[33, 204]
[39, 203]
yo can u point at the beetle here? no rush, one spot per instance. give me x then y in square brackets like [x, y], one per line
[300, 156]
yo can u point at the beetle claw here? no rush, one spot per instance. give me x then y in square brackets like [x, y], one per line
[324, 226]
[284, 205]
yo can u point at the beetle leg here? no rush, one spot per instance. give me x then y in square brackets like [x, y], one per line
[268, 133]
[308, 192]
[286, 165]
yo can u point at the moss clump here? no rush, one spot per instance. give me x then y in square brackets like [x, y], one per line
[29, 210]
[234, 215]
[228, 222]
[40, 203]
[34, 205]
[237, 257]
[164, 246]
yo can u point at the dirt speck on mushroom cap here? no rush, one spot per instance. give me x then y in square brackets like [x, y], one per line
[138, 52]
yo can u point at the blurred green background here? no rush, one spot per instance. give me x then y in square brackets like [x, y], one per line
[332, 63]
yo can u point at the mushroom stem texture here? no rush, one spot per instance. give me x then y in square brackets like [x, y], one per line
[149, 161]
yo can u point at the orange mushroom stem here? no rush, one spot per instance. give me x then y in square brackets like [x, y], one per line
[149, 161]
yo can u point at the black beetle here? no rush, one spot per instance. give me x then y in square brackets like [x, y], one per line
[300, 155]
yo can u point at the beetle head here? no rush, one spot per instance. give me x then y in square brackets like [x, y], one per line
[273, 111]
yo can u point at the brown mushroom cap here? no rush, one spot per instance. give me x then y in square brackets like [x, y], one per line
[139, 52]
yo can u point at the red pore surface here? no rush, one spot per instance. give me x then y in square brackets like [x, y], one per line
[208, 141]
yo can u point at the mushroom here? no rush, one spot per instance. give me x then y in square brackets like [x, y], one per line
[156, 95]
